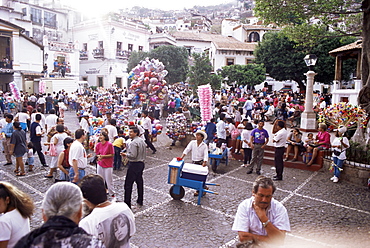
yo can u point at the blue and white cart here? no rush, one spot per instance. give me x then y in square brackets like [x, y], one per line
[193, 176]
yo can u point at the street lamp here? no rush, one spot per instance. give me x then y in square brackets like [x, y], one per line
[308, 118]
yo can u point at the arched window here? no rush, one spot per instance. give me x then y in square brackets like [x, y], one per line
[254, 37]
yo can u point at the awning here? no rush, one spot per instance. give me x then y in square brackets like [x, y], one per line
[286, 89]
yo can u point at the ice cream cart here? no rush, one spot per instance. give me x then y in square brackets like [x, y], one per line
[181, 174]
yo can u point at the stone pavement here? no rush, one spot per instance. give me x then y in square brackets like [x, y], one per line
[322, 214]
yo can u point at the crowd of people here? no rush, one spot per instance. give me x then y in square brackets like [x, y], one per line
[238, 115]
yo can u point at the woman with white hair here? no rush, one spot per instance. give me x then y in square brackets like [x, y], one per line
[340, 144]
[61, 211]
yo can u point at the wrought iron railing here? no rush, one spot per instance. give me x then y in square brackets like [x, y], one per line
[355, 156]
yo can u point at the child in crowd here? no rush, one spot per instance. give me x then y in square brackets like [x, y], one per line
[30, 158]
[307, 141]
[118, 145]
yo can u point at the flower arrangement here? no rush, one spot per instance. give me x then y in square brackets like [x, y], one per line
[344, 114]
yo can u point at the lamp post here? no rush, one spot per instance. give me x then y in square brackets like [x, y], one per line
[308, 118]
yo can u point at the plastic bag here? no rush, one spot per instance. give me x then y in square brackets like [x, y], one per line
[52, 150]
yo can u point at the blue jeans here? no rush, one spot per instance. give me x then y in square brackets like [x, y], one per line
[81, 174]
[339, 164]
[117, 158]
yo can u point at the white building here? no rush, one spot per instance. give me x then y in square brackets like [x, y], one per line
[37, 35]
[105, 46]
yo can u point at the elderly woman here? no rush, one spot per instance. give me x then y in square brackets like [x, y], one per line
[16, 208]
[294, 142]
[340, 144]
[322, 142]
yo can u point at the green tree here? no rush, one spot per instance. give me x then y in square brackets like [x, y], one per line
[305, 21]
[135, 58]
[175, 60]
[250, 74]
[283, 58]
[200, 71]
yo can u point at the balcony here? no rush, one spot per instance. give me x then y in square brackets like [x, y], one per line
[123, 54]
[84, 55]
[6, 64]
[98, 53]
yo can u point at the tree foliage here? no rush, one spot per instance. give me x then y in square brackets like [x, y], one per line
[306, 20]
[283, 58]
[200, 71]
[250, 74]
[175, 60]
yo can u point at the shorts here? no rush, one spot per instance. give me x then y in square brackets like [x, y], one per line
[31, 160]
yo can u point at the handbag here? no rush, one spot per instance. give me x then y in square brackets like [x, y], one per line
[52, 150]
[337, 153]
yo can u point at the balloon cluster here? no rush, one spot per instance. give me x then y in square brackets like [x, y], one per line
[15, 90]
[176, 126]
[105, 104]
[344, 114]
[205, 102]
[148, 80]
[156, 128]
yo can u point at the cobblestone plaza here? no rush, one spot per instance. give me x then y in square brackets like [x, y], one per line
[322, 214]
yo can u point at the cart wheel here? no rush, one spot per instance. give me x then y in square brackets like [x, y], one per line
[177, 196]
[214, 166]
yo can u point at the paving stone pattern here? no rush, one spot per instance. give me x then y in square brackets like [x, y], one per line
[322, 214]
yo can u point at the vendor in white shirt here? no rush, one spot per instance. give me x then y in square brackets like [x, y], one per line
[199, 149]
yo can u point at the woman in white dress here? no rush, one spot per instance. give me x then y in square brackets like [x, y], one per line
[57, 140]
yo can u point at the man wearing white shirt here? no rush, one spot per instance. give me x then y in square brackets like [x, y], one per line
[146, 123]
[279, 139]
[261, 218]
[51, 120]
[112, 130]
[199, 149]
[221, 130]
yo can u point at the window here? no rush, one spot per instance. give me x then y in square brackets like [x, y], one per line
[24, 11]
[230, 61]
[119, 46]
[100, 81]
[84, 45]
[50, 19]
[141, 48]
[36, 16]
[254, 37]
[130, 47]
[119, 82]
[100, 44]
[84, 78]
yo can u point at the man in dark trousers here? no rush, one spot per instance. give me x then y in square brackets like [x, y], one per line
[279, 140]
[136, 156]
[146, 123]
[36, 133]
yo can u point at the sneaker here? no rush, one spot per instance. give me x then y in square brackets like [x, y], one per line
[243, 165]
[335, 180]
[332, 178]
[249, 172]
[258, 172]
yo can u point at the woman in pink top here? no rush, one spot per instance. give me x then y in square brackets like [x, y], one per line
[105, 156]
[322, 139]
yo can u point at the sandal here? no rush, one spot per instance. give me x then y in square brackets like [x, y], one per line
[16, 171]
[30, 168]
[20, 174]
